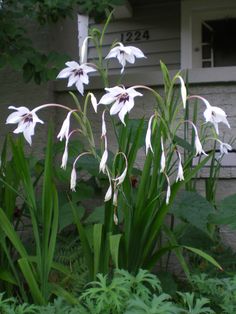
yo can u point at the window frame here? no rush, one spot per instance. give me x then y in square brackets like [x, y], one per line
[192, 14]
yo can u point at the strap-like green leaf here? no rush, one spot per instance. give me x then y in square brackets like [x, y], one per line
[114, 248]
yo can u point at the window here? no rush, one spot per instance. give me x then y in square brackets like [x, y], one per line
[208, 33]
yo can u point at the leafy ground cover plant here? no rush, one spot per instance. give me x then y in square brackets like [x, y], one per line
[134, 216]
[123, 292]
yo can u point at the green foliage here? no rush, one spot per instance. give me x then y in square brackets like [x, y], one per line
[193, 209]
[221, 291]
[98, 8]
[195, 305]
[156, 305]
[31, 266]
[225, 214]
[17, 48]
[125, 293]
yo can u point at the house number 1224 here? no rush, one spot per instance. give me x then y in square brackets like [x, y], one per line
[134, 36]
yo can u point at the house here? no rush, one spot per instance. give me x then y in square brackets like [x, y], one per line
[193, 35]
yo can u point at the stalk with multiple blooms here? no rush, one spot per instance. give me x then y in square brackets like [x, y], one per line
[135, 213]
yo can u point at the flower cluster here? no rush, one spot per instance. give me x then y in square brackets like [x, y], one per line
[121, 102]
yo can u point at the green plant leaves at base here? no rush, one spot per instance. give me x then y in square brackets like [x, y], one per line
[204, 255]
[7, 276]
[227, 212]
[192, 208]
[114, 241]
[97, 215]
[167, 282]
[192, 236]
[66, 216]
[29, 277]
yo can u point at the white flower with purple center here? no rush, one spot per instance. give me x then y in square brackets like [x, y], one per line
[122, 99]
[213, 114]
[77, 74]
[26, 120]
[123, 54]
[224, 148]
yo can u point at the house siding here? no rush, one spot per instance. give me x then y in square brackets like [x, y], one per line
[161, 22]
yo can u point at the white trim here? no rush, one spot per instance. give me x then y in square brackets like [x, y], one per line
[83, 22]
[155, 78]
[192, 12]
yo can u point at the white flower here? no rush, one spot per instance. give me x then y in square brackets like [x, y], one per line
[168, 192]
[94, 102]
[148, 143]
[122, 99]
[26, 120]
[120, 179]
[213, 114]
[198, 145]
[103, 162]
[224, 148]
[65, 128]
[104, 129]
[73, 179]
[163, 158]
[124, 54]
[115, 218]
[180, 173]
[109, 191]
[77, 74]
[65, 156]
[115, 198]
[108, 194]
[183, 91]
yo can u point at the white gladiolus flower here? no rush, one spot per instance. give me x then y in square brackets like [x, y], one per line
[109, 190]
[73, 179]
[168, 192]
[120, 179]
[148, 143]
[213, 114]
[163, 158]
[94, 102]
[64, 132]
[77, 74]
[183, 91]
[65, 157]
[73, 176]
[198, 145]
[104, 129]
[115, 198]
[224, 148]
[108, 194]
[26, 120]
[180, 173]
[115, 219]
[122, 99]
[103, 162]
[124, 54]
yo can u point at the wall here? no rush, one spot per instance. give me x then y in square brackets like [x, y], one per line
[153, 27]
